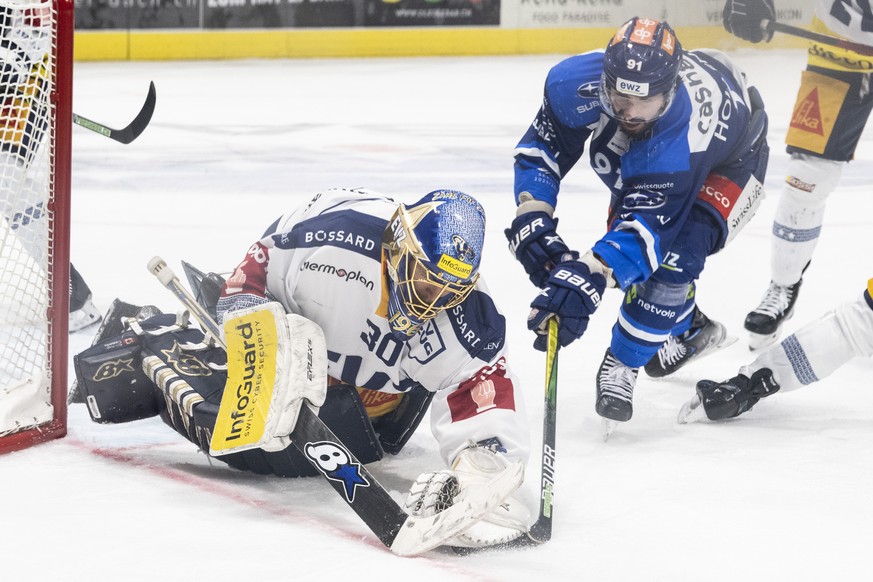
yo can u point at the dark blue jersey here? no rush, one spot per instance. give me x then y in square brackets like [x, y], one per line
[653, 180]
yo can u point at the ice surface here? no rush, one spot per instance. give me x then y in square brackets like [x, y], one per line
[782, 493]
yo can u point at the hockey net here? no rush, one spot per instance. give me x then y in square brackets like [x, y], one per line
[36, 39]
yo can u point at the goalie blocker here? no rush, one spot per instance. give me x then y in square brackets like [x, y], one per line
[163, 366]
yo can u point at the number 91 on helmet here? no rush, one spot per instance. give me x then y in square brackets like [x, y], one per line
[640, 73]
[433, 250]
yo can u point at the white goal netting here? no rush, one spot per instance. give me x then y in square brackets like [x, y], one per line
[28, 40]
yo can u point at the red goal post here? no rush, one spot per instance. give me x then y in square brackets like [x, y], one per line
[36, 74]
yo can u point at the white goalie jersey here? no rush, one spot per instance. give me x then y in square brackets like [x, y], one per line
[325, 262]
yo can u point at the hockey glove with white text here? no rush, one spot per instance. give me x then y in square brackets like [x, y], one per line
[535, 243]
[743, 18]
[572, 294]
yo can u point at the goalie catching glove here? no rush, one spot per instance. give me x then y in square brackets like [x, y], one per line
[435, 491]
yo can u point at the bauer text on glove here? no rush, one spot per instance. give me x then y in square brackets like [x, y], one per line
[572, 294]
[537, 246]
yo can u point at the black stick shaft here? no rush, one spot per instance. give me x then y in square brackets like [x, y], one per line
[855, 47]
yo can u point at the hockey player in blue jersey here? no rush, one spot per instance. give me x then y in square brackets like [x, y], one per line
[679, 140]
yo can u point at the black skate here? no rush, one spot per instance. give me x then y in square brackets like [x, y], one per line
[83, 313]
[84, 316]
[615, 389]
[704, 337]
[718, 401]
[764, 323]
[111, 326]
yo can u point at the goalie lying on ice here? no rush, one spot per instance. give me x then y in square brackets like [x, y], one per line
[408, 325]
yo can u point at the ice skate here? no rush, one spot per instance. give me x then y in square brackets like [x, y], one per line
[112, 325]
[765, 322]
[704, 337]
[607, 427]
[728, 399]
[615, 390]
[83, 313]
[83, 317]
[692, 411]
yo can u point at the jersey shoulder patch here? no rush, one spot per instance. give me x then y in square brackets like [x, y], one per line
[478, 326]
[572, 89]
[347, 229]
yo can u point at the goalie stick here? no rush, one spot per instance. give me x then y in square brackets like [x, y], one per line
[403, 534]
[133, 129]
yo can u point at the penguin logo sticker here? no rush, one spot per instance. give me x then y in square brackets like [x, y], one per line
[335, 463]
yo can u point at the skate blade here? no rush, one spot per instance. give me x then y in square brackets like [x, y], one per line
[725, 341]
[758, 341]
[691, 411]
[607, 426]
[710, 349]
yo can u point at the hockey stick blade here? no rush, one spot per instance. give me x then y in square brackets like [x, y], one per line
[403, 534]
[855, 47]
[133, 130]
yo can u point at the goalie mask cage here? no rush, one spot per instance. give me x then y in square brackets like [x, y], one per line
[36, 72]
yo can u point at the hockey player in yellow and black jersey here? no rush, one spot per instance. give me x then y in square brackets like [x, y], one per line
[25, 46]
[832, 107]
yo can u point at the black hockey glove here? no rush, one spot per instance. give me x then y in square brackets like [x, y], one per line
[537, 246]
[743, 18]
[572, 293]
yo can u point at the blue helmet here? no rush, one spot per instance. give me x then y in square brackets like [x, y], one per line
[641, 62]
[433, 250]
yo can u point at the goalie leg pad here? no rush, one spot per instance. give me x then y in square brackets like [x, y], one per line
[342, 412]
[396, 427]
[276, 363]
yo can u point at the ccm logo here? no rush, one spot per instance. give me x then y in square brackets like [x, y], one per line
[580, 282]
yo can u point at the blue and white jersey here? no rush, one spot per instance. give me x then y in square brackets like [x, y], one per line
[653, 180]
[324, 262]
